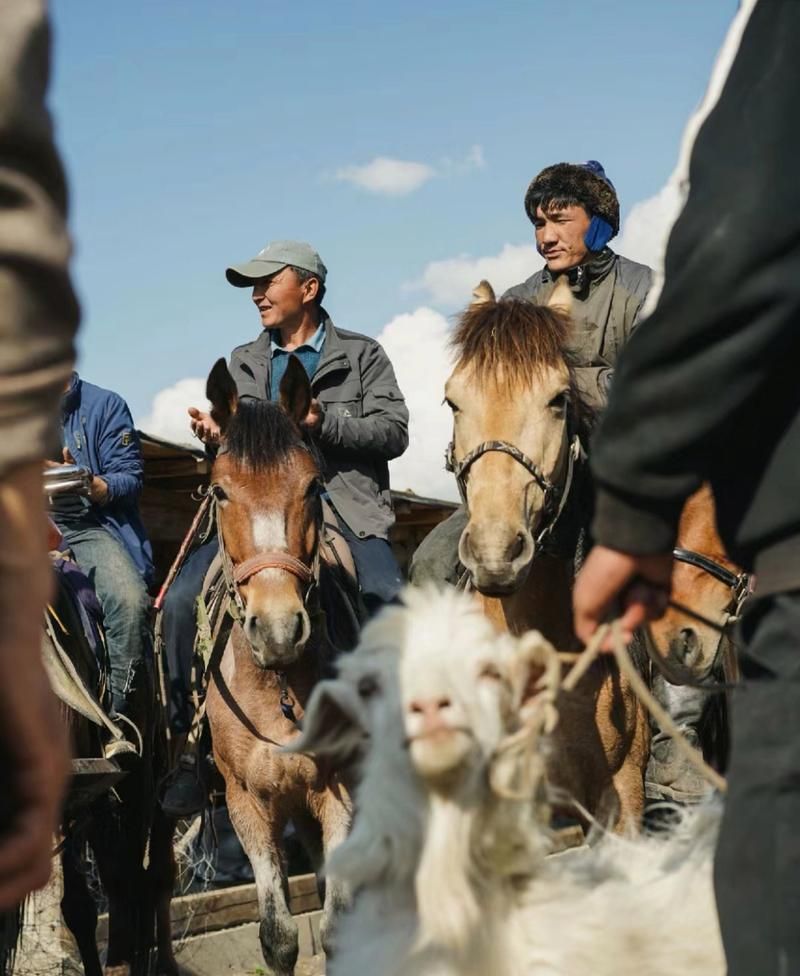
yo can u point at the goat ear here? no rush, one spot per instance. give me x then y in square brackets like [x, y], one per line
[536, 677]
[332, 725]
[295, 390]
[483, 293]
[221, 391]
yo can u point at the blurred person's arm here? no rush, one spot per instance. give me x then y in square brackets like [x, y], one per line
[38, 318]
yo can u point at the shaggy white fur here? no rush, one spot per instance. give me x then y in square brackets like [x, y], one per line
[447, 851]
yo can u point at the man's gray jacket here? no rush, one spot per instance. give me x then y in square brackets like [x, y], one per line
[608, 291]
[364, 424]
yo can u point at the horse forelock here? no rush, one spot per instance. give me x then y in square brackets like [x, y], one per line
[512, 339]
[510, 343]
[260, 435]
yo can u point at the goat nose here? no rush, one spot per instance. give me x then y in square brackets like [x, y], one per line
[429, 708]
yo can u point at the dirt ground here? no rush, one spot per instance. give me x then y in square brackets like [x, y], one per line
[234, 952]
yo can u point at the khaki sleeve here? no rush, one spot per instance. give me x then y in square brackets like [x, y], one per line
[38, 309]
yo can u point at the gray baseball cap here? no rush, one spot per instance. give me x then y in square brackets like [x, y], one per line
[276, 255]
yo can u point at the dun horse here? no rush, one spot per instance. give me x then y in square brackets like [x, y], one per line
[519, 421]
[267, 486]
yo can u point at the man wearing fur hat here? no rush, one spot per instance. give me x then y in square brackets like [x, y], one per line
[575, 212]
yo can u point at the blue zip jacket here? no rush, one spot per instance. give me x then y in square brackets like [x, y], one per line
[99, 432]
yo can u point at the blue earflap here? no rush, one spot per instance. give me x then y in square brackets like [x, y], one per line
[598, 235]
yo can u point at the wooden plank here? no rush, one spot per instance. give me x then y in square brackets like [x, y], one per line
[211, 911]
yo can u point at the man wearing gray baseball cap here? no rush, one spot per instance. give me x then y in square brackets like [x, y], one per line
[357, 418]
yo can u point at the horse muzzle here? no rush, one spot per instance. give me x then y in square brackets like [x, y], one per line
[497, 559]
[277, 639]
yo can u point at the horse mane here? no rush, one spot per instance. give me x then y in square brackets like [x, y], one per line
[511, 341]
[261, 434]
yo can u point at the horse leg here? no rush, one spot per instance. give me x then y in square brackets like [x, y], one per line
[260, 828]
[117, 842]
[335, 823]
[161, 884]
[78, 907]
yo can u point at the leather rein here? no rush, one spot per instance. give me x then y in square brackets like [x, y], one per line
[555, 496]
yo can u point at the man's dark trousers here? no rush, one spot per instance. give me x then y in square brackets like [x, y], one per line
[757, 870]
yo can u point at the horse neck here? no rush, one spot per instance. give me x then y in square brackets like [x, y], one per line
[543, 603]
[300, 677]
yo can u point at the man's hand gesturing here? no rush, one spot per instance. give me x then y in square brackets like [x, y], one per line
[203, 427]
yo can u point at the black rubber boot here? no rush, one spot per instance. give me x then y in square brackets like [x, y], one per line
[185, 792]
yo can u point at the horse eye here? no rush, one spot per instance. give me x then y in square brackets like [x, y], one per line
[219, 493]
[367, 686]
[491, 672]
[560, 401]
[454, 407]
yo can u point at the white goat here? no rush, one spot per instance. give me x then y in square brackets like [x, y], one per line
[447, 851]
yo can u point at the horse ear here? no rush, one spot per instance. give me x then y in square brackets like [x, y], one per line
[561, 296]
[295, 390]
[483, 293]
[332, 724]
[222, 393]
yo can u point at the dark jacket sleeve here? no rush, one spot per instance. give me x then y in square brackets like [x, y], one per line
[38, 309]
[120, 452]
[728, 320]
[382, 430]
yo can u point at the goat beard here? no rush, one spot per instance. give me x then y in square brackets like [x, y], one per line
[452, 897]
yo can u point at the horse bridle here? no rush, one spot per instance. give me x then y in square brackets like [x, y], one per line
[555, 496]
[737, 583]
[236, 574]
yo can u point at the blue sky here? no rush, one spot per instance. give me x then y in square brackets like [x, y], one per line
[194, 131]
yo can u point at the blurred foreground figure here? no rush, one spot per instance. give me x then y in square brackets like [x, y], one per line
[707, 391]
[38, 318]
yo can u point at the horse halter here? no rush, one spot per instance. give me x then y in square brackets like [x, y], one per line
[555, 496]
[236, 574]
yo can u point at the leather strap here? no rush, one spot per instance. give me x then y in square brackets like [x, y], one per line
[272, 560]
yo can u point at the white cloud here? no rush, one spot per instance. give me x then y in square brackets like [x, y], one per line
[168, 418]
[450, 282]
[416, 343]
[647, 227]
[390, 177]
[399, 177]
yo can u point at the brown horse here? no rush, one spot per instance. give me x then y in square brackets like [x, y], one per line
[519, 421]
[685, 648]
[267, 486]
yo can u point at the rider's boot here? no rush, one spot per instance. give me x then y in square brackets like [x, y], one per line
[185, 791]
[670, 776]
[129, 744]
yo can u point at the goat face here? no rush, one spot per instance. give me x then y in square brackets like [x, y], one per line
[456, 689]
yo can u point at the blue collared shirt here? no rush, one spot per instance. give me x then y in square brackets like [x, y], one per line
[309, 355]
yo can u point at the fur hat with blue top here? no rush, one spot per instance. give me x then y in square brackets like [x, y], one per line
[578, 184]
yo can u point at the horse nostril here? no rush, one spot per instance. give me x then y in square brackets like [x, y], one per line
[299, 627]
[690, 643]
[516, 547]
